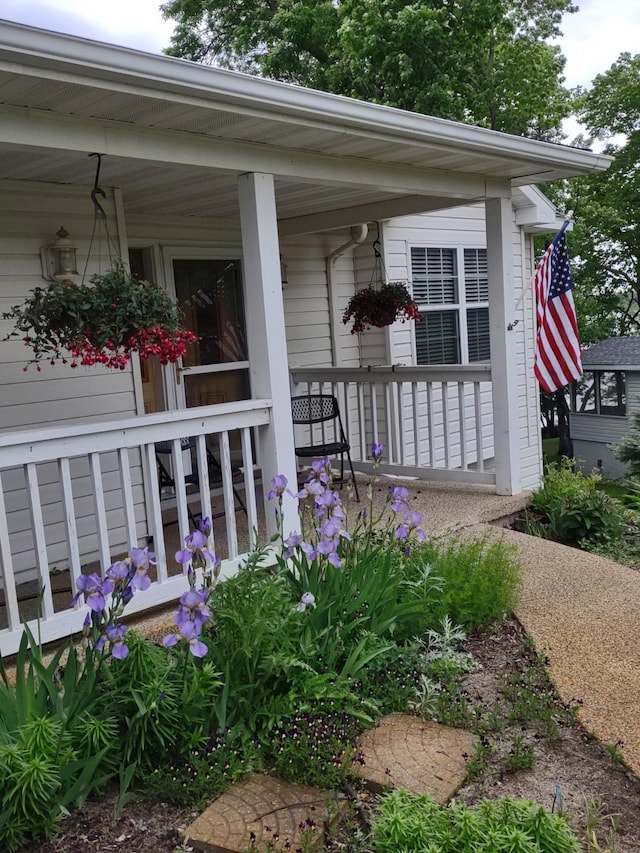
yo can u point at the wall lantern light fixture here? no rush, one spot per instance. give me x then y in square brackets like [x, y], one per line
[59, 259]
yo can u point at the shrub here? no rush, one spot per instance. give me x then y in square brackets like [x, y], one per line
[574, 511]
[408, 822]
[473, 583]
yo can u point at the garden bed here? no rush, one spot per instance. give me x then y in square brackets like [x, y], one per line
[587, 772]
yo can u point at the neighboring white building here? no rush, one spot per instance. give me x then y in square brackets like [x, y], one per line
[219, 186]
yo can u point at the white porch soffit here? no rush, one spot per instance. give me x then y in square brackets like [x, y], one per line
[178, 134]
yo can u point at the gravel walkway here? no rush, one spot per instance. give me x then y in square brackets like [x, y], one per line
[583, 612]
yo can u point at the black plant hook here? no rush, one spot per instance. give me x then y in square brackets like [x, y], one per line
[96, 191]
[99, 218]
[378, 273]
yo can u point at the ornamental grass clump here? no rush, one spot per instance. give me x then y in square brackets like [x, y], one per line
[100, 322]
[378, 307]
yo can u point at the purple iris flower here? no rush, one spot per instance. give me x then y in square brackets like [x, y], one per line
[321, 466]
[315, 487]
[413, 518]
[279, 483]
[204, 526]
[330, 528]
[309, 551]
[307, 600]
[94, 590]
[402, 531]
[116, 635]
[217, 565]
[142, 559]
[293, 541]
[169, 640]
[193, 607]
[195, 550]
[329, 499]
[376, 451]
[190, 632]
[119, 571]
[398, 496]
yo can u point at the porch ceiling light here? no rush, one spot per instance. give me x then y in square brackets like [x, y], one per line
[59, 259]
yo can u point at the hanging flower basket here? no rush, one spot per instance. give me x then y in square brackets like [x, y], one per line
[101, 322]
[373, 307]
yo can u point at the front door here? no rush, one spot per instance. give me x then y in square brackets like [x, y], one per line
[209, 292]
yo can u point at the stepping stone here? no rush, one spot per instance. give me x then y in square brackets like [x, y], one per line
[265, 812]
[402, 751]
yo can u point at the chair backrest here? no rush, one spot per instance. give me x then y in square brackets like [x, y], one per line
[314, 408]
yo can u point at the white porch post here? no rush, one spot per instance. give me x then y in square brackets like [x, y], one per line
[269, 368]
[504, 378]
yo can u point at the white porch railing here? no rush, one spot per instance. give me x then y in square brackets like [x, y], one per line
[436, 422]
[87, 493]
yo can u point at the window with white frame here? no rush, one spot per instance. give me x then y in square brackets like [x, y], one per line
[452, 291]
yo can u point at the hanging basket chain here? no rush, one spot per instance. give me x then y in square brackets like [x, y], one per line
[382, 302]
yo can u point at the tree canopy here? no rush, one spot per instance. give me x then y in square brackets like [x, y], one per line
[485, 62]
[606, 240]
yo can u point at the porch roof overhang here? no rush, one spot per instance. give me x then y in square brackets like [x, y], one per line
[178, 134]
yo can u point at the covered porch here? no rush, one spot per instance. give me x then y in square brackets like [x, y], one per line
[201, 163]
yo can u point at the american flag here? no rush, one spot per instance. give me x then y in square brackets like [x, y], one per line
[558, 360]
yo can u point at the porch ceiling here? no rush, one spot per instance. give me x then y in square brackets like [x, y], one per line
[178, 134]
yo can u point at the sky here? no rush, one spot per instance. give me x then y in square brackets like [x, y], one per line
[593, 38]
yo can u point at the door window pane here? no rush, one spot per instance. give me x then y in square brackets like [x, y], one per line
[210, 294]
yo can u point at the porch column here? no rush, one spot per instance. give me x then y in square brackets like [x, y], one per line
[269, 368]
[504, 364]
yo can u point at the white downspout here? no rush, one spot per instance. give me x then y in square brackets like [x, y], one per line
[358, 235]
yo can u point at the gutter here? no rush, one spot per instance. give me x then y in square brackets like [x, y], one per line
[29, 49]
[358, 235]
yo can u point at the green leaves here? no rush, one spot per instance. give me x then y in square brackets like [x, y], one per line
[412, 822]
[485, 62]
[574, 510]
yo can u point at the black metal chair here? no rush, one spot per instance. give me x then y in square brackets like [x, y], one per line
[322, 409]
[166, 480]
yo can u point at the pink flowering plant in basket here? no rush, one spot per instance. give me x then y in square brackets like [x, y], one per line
[379, 307]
